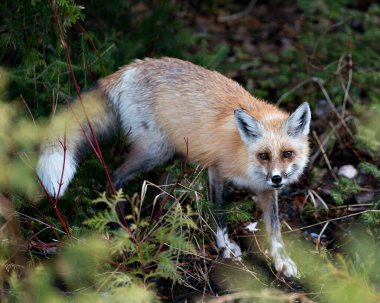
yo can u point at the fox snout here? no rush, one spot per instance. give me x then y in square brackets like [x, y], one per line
[276, 181]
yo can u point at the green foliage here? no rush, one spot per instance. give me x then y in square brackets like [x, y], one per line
[343, 189]
[370, 168]
[32, 48]
[236, 212]
[368, 134]
[351, 277]
[371, 219]
[18, 136]
[143, 244]
[331, 9]
[332, 30]
[120, 266]
[83, 272]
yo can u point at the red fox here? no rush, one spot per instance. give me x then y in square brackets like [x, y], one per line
[160, 103]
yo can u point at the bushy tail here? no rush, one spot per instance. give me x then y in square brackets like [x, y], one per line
[68, 135]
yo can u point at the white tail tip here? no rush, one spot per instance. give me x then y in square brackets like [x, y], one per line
[56, 170]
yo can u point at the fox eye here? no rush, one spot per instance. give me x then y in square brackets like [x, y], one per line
[287, 154]
[263, 156]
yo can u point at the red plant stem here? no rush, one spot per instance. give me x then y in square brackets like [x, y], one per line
[94, 146]
[62, 171]
[56, 210]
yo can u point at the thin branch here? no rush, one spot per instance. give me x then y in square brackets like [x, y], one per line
[325, 156]
[292, 90]
[62, 170]
[56, 210]
[319, 81]
[239, 15]
[318, 245]
[30, 112]
[314, 193]
[332, 220]
[325, 32]
[184, 174]
[41, 222]
[347, 88]
[324, 143]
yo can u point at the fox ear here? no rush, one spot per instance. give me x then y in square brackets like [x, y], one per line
[298, 124]
[249, 128]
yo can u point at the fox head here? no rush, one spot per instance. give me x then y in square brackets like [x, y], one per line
[277, 145]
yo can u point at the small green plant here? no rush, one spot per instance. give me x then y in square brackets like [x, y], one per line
[370, 168]
[118, 265]
[371, 219]
[148, 249]
[237, 212]
[343, 189]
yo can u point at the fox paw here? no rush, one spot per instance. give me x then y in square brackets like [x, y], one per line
[285, 265]
[230, 249]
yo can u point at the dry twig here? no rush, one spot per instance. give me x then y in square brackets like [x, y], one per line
[239, 15]
[324, 155]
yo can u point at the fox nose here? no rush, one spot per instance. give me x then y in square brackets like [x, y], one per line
[276, 179]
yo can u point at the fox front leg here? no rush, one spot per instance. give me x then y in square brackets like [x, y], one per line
[269, 204]
[228, 247]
